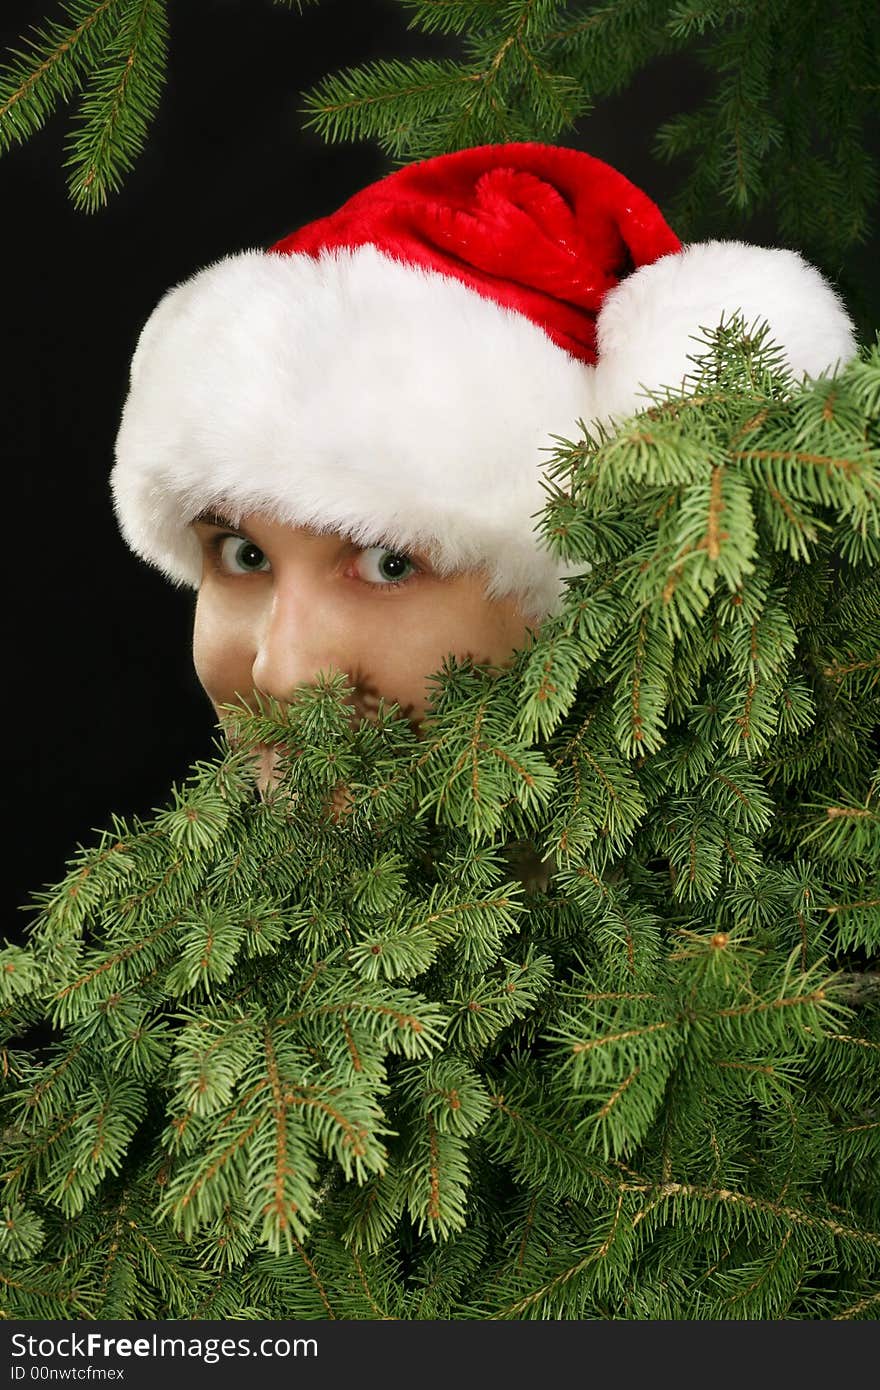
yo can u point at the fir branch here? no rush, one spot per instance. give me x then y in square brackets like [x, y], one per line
[355, 99]
[643, 1088]
[116, 111]
[857, 1309]
[548, 1289]
[668, 1191]
[28, 93]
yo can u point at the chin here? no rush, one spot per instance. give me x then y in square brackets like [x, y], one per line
[266, 768]
[269, 778]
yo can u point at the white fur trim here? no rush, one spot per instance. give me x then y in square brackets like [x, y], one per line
[648, 323]
[358, 394]
[352, 393]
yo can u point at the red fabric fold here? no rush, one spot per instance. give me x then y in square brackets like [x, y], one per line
[540, 229]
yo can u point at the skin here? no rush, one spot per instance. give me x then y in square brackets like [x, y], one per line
[278, 604]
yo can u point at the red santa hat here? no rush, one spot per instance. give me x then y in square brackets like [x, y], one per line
[395, 372]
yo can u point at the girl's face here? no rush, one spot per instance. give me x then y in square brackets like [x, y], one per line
[278, 604]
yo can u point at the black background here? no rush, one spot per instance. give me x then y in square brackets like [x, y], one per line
[103, 710]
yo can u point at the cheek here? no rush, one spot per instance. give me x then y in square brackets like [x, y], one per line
[487, 630]
[458, 620]
[222, 651]
[498, 629]
[393, 659]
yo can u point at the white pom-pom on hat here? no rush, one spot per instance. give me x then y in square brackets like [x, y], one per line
[649, 322]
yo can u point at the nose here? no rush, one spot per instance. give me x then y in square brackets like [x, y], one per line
[296, 639]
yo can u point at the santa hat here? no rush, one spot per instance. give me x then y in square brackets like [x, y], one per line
[395, 372]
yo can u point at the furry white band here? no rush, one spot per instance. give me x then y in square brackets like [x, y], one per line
[358, 394]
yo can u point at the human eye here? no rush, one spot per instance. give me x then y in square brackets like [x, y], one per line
[237, 555]
[385, 568]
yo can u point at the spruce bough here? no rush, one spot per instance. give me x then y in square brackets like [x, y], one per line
[783, 128]
[572, 1010]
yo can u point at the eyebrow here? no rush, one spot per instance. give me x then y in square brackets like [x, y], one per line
[211, 518]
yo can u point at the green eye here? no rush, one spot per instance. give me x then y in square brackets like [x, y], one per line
[384, 566]
[240, 556]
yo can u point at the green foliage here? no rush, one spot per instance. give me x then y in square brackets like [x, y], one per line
[569, 1008]
[782, 131]
[112, 53]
